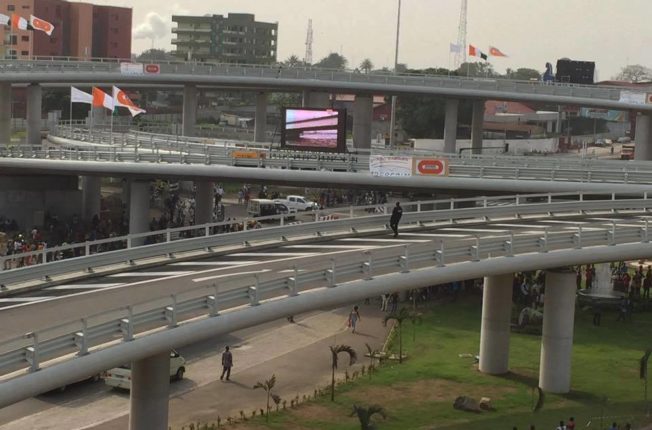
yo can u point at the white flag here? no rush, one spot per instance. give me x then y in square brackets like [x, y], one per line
[455, 48]
[77, 96]
[4, 19]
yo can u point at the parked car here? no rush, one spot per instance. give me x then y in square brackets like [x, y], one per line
[120, 377]
[624, 139]
[298, 203]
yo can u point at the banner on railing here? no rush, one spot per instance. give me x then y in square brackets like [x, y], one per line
[390, 166]
[248, 154]
[430, 167]
[634, 97]
[131, 68]
[152, 69]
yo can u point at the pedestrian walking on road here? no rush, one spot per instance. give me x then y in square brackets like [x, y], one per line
[227, 364]
[397, 213]
[354, 317]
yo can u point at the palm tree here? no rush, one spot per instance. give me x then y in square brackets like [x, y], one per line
[372, 354]
[366, 65]
[292, 61]
[268, 385]
[335, 350]
[365, 414]
[400, 316]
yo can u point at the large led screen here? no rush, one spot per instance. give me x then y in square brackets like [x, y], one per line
[314, 129]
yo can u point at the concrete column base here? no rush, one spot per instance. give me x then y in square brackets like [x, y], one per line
[558, 327]
[643, 139]
[138, 210]
[91, 197]
[477, 123]
[150, 389]
[260, 122]
[5, 113]
[34, 108]
[189, 114]
[496, 324]
[450, 126]
[204, 203]
[363, 114]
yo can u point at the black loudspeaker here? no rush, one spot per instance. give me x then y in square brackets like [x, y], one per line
[575, 72]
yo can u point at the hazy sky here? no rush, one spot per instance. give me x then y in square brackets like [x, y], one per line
[610, 32]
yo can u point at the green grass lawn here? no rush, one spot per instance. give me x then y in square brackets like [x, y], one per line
[419, 394]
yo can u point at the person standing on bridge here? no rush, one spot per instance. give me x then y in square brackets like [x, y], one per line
[397, 213]
[227, 364]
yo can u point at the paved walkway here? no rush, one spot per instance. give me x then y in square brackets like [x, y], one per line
[297, 354]
[298, 371]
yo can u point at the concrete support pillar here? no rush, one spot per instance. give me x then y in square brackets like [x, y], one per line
[495, 329]
[150, 387]
[34, 103]
[260, 123]
[477, 123]
[91, 196]
[450, 125]
[204, 202]
[363, 116]
[189, 115]
[558, 326]
[138, 209]
[643, 139]
[316, 100]
[5, 113]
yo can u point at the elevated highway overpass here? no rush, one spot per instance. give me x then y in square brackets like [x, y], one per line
[317, 85]
[145, 319]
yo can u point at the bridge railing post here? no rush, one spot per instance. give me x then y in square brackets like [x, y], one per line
[32, 352]
[171, 312]
[81, 339]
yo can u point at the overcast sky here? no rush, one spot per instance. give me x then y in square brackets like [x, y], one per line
[610, 32]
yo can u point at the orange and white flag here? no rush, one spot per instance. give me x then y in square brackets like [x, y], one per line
[102, 99]
[41, 24]
[495, 52]
[18, 22]
[122, 100]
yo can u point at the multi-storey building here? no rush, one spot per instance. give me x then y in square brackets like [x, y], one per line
[80, 30]
[236, 38]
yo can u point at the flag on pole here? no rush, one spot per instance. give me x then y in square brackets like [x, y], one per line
[18, 22]
[122, 100]
[4, 19]
[475, 52]
[455, 48]
[102, 99]
[495, 52]
[41, 24]
[78, 96]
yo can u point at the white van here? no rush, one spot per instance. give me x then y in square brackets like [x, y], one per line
[120, 377]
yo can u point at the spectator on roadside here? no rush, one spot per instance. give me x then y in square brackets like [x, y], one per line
[397, 213]
[227, 364]
[354, 317]
[570, 425]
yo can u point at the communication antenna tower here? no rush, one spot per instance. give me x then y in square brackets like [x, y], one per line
[460, 56]
[308, 57]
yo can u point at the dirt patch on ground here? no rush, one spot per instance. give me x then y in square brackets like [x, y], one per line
[427, 391]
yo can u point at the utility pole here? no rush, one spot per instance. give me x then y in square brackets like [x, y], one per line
[460, 55]
[307, 58]
[392, 122]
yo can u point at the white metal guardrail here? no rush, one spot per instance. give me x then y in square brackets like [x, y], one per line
[182, 298]
[529, 169]
[92, 255]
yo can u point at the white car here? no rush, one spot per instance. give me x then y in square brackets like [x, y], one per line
[120, 377]
[298, 203]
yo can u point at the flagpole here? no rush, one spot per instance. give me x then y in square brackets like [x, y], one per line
[71, 136]
[111, 132]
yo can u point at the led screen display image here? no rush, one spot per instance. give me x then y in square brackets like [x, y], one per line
[314, 129]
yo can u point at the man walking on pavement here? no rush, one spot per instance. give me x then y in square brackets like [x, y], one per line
[395, 218]
[227, 364]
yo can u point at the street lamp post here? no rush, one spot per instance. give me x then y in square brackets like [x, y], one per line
[392, 122]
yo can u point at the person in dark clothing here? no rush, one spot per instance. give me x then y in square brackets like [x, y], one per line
[227, 364]
[597, 313]
[397, 213]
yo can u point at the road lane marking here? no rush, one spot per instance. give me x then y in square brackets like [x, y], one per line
[147, 274]
[84, 286]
